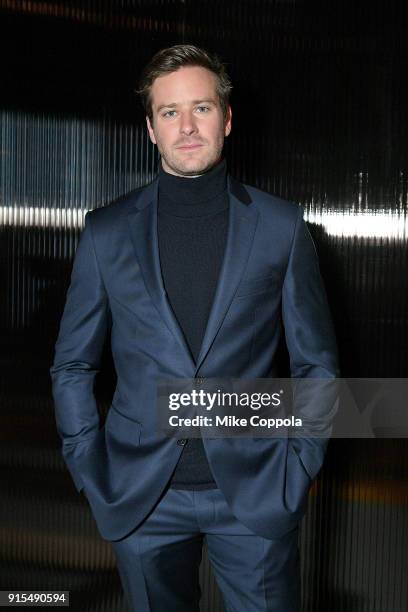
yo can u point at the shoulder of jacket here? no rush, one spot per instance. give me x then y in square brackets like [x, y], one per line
[113, 211]
[274, 206]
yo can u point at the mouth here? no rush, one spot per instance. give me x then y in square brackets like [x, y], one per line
[189, 147]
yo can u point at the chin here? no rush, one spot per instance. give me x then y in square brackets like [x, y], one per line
[196, 168]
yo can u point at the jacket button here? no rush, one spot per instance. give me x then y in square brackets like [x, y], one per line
[182, 441]
[199, 380]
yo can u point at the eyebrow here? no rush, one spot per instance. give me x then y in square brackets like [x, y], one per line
[174, 104]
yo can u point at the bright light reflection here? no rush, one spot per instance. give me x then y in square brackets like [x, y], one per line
[362, 224]
[42, 216]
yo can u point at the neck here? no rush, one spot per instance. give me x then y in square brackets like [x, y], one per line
[182, 196]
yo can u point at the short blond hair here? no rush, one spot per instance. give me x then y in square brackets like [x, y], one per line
[173, 58]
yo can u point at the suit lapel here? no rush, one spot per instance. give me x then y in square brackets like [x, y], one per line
[143, 232]
[241, 228]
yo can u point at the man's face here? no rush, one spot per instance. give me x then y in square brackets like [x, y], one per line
[188, 124]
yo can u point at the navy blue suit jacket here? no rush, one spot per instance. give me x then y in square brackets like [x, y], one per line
[269, 284]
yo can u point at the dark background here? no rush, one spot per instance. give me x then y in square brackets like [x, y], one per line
[319, 117]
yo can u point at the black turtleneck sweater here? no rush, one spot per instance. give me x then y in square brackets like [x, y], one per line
[192, 231]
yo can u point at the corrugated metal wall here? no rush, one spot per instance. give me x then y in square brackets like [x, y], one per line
[320, 99]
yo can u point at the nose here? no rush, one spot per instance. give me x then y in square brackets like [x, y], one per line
[188, 125]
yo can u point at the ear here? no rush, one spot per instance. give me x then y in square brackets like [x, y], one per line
[150, 129]
[228, 120]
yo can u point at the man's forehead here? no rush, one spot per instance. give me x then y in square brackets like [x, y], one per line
[186, 84]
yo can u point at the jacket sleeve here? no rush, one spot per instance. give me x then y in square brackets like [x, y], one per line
[78, 350]
[312, 348]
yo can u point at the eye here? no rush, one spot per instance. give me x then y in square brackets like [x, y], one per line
[169, 113]
[203, 109]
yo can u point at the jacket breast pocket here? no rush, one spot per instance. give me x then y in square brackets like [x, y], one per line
[257, 285]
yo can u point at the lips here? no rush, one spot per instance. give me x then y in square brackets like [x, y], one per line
[189, 147]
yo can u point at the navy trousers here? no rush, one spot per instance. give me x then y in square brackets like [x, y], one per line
[159, 561]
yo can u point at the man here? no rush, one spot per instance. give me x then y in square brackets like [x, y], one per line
[193, 276]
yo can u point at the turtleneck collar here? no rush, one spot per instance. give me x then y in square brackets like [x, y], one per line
[193, 197]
